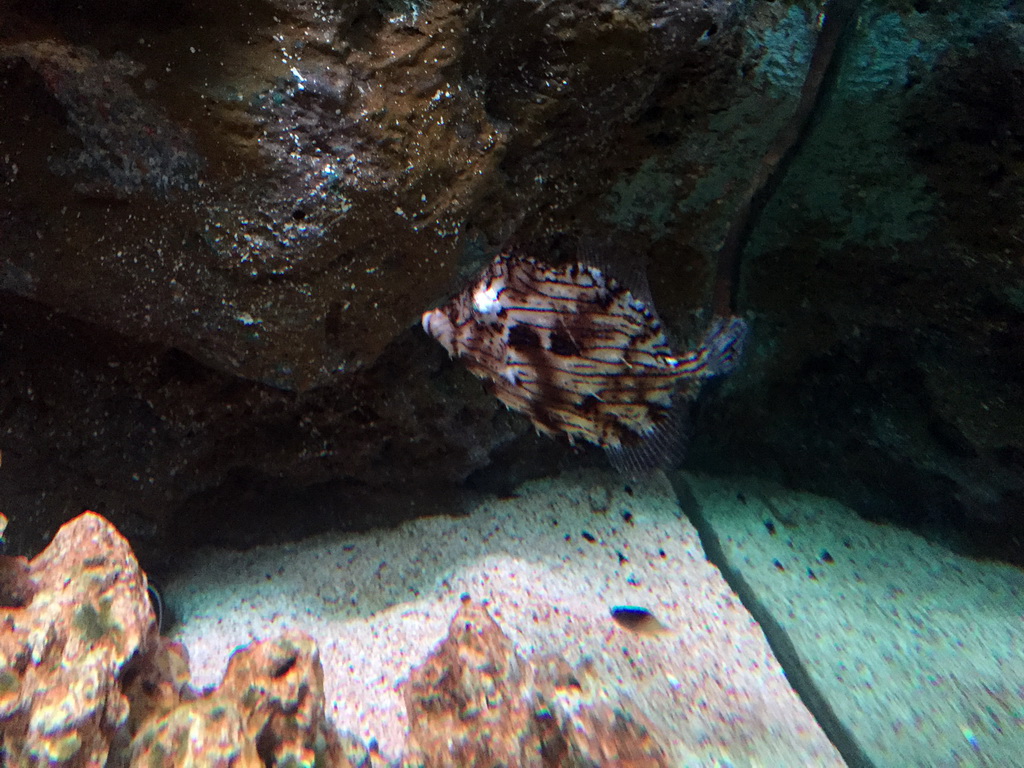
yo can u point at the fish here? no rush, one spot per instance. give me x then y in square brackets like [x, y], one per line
[582, 355]
[638, 619]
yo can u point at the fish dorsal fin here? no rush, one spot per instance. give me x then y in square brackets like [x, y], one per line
[619, 264]
[663, 448]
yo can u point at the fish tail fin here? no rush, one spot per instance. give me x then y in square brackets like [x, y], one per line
[723, 346]
[664, 447]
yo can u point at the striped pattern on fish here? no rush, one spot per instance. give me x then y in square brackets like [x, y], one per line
[576, 351]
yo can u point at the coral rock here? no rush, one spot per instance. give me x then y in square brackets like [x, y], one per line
[476, 702]
[63, 654]
[596, 721]
[470, 702]
[279, 687]
[268, 710]
[16, 587]
[157, 683]
[210, 732]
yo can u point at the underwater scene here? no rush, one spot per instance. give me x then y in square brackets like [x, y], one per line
[512, 383]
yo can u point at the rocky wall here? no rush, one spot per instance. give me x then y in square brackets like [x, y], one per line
[278, 189]
[220, 224]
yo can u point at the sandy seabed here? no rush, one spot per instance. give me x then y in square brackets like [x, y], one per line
[550, 562]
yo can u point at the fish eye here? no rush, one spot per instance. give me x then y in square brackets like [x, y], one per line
[485, 300]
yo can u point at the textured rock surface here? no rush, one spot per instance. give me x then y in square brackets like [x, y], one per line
[599, 724]
[16, 585]
[279, 685]
[886, 284]
[470, 701]
[476, 702]
[917, 651]
[176, 454]
[268, 710]
[157, 682]
[280, 188]
[207, 732]
[64, 654]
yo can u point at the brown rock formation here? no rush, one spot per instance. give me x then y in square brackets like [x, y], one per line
[279, 687]
[208, 732]
[157, 682]
[268, 710]
[63, 654]
[16, 586]
[476, 702]
[598, 723]
[86, 681]
[274, 192]
[280, 188]
[471, 702]
[208, 450]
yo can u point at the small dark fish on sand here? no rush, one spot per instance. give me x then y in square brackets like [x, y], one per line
[637, 619]
[582, 355]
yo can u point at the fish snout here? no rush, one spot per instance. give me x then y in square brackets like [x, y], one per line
[427, 320]
[436, 323]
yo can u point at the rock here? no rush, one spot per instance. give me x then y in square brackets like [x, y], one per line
[280, 193]
[16, 587]
[83, 672]
[279, 687]
[884, 368]
[269, 709]
[208, 732]
[276, 196]
[85, 681]
[476, 702]
[599, 724]
[63, 655]
[471, 702]
[174, 453]
[157, 682]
